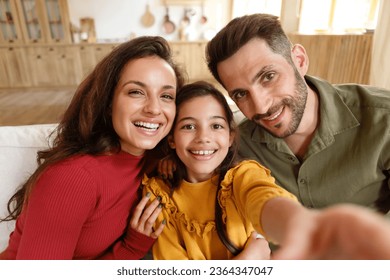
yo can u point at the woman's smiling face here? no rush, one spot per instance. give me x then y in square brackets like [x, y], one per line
[143, 106]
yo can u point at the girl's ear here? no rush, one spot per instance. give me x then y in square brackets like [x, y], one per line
[171, 142]
[232, 137]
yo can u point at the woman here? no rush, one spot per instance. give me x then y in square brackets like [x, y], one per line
[78, 202]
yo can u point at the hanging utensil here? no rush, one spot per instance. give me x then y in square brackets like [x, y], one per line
[147, 18]
[168, 25]
[203, 18]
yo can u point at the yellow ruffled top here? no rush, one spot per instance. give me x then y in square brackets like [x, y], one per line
[190, 231]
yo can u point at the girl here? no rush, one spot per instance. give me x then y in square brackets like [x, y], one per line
[77, 204]
[203, 138]
[213, 198]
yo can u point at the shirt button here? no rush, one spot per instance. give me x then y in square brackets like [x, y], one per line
[302, 181]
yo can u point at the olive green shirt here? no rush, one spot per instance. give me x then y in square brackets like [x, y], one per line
[348, 159]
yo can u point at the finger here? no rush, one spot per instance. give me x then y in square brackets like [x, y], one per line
[138, 210]
[147, 212]
[159, 230]
[162, 167]
[171, 167]
[151, 219]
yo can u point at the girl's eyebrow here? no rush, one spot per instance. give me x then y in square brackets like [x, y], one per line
[193, 119]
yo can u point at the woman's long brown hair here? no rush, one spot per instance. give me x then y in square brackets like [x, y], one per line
[86, 127]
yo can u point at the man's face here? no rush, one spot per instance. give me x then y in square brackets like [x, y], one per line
[266, 87]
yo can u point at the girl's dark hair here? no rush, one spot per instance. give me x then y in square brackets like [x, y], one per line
[240, 31]
[186, 93]
[86, 127]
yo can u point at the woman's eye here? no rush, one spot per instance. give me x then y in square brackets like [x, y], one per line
[135, 92]
[168, 97]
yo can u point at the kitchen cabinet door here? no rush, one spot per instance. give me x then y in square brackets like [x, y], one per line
[10, 29]
[45, 21]
[13, 70]
[91, 54]
[54, 66]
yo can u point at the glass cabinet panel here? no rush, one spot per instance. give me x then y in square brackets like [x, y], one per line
[56, 27]
[9, 24]
[32, 21]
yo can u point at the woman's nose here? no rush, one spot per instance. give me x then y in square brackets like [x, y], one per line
[153, 106]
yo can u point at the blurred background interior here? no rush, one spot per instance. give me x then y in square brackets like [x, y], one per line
[48, 46]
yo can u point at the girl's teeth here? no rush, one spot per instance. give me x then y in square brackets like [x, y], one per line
[207, 152]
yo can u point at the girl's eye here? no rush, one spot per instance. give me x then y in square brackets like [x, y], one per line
[217, 126]
[188, 127]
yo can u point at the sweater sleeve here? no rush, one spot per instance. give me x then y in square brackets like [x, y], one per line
[253, 186]
[55, 214]
[133, 246]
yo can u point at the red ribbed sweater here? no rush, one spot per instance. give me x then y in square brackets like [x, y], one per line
[80, 209]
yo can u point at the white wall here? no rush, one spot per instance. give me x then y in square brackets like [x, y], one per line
[380, 62]
[118, 20]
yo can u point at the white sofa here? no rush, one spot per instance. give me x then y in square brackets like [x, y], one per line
[18, 151]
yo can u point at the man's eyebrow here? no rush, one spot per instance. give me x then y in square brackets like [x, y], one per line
[253, 80]
[261, 72]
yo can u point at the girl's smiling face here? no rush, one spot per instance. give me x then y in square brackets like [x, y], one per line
[201, 137]
[143, 106]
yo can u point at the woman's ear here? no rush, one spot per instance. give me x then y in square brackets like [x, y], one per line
[171, 142]
[300, 59]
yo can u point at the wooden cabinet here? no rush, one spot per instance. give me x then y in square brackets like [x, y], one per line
[34, 21]
[45, 21]
[54, 65]
[10, 29]
[191, 55]
[13, 67]
[91, 54]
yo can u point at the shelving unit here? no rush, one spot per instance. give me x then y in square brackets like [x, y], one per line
[34, 21]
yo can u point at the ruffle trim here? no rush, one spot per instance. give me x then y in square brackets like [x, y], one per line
[155, 186]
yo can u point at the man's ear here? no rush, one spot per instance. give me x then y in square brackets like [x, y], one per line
[171, 142]
[300, 59]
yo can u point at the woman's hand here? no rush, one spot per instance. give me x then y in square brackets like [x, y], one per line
[144, 217]
[166, 167]
[256, 248]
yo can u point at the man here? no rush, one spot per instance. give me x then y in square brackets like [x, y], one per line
[325, 143]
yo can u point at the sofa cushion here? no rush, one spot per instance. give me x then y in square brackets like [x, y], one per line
[18, 153]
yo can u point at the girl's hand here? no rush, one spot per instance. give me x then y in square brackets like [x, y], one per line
[256, 248]
[145, 216]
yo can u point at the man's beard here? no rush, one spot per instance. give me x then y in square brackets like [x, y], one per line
[297, 105]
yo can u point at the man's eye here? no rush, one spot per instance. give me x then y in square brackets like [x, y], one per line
[238, 95]
[269, 76]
